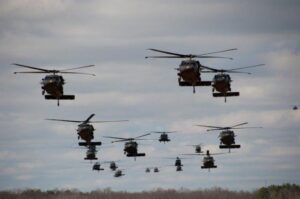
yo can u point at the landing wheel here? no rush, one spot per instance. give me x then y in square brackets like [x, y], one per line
[194, 90]
[58, 102]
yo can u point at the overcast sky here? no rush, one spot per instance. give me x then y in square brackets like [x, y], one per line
[115, 35]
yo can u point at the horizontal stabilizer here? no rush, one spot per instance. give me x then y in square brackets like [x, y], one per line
[229, 94]
[201, 83]
[230, 146]
[213, 167]
[167, 140]
[136, 155]
[63, 97]
[89, 144]
[91, 158]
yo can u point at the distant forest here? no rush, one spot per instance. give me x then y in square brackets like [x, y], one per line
[285, 191]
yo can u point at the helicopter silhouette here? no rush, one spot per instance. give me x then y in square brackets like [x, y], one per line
[118, 173]
[53, 84]
[208, 160]
[164, 135]
[222, 81]
[112, 165]
[130, 146]
[189, 71]
[295, 107]
[86, 130]
[91, 153]
[97, 167]
[198, 148]
[227, 136]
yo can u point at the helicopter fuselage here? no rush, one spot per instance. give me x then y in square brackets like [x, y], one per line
[198, 149]
[131, 148]
[208, 162]
[118, 173]
[91, 153]
[221, 83]
[227, 137]
[53, 85]
[189, 71]
[113, 166]
[85, 132]
[178, 162]
[97, 167]
[164, 137]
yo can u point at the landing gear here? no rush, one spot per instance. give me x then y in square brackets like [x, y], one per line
[43, 92]
[194, 89]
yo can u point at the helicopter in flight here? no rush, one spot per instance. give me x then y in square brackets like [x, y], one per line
[198, 148]
[227, 136]
[85, 129]
[91, 153]
[52, 84]
[208, 160]
[97, 167]
[118, 173]
[112, 165]
[130, 147]
[189, 71]
[295, 107]
[164, 135]
[222, 80]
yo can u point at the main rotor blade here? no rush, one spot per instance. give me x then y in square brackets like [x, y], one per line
[162, 57]
[88, 119]
[233, 69]
[30, 72]
[166, 52]
[109, 121]
[252, 127]
[239, 124]
[79, 73]
[219, 51]
[77, 67]
[142, 135]
[218, 127]
[31, 67]
[114, 137]
[123, 140]
[164, 132]
[200, 56]
[60, 120]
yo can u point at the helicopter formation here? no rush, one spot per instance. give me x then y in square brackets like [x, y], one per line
[189, 74]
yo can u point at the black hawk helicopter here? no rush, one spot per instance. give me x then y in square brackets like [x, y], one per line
[53, 84]
[189, 70]
[295, 107]
[91, 153]
[97, 167]
[85, 130]
[164, 135]
[198, 148]
[227, 136]
[208, 160]
[118, 173]
[112, 165]
[222, 81]
[130, 147]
